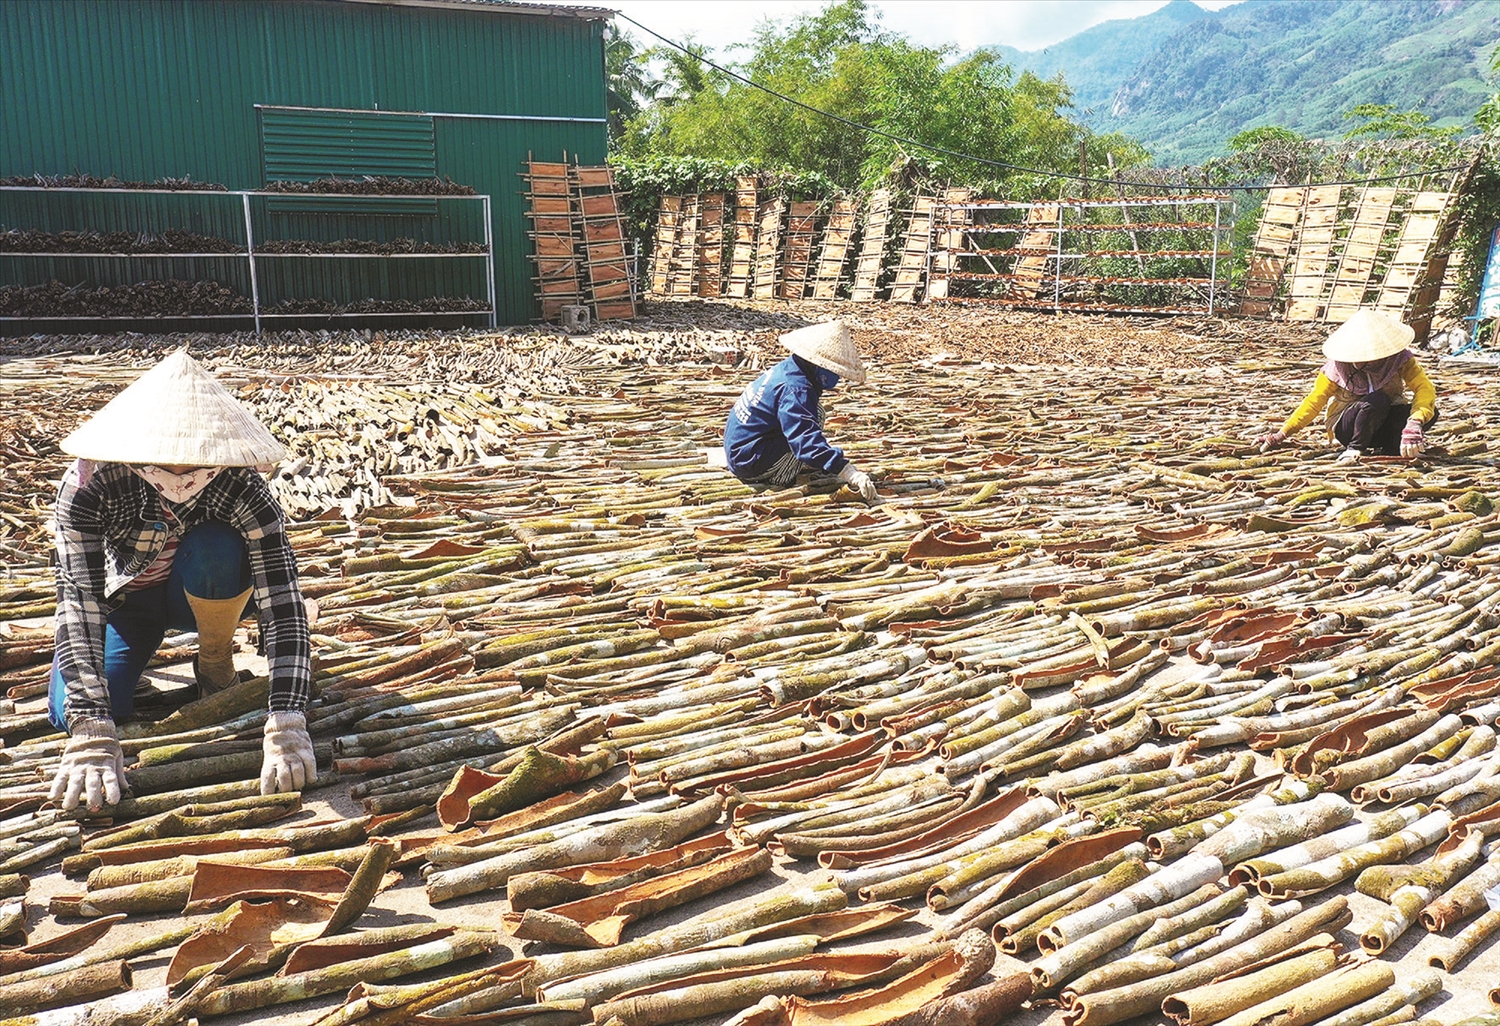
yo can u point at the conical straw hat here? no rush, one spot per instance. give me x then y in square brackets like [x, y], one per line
[829, 346]
[1367, 335]
[175, 413]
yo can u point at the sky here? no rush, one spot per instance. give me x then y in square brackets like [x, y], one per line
[1023, 24]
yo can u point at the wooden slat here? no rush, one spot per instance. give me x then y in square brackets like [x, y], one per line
[797, 249]
[710, 245]
[1273, 241]
[915, 246]
[1038, 244]
[1361, 247]
[948, 238]
[872, 247]
[742, 256]
[768, 247]
[1310, 258]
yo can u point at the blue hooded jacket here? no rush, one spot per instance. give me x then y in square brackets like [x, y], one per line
[778, 413]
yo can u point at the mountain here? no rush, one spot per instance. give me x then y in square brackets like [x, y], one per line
[1183, 80]
[1098, 60]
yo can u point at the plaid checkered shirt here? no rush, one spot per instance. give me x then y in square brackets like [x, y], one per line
[112, 528]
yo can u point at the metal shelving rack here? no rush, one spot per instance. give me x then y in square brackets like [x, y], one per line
[252, 257]
[1071, 218]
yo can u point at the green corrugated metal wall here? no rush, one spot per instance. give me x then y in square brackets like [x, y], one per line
[146, 89]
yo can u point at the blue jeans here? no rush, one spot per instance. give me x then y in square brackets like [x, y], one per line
[212, 563]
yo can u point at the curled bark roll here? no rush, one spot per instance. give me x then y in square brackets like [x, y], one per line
[1393, 1006]
[1420, 885]
[954, 969]
[83, 984]
[1452, 952]
[1318, 998]
[1053, 969]
[1168, 844]
[1329, 872]
[1359, 771]
[262, 993]
[1181, 952]
[1380, 825]
[363, 887]
[721, 922]
[1217, 910]
[1126, 874]
[599, 921]
[1464, 898]
[1167, 885]
[1104, 1007]
[1215, 1001]
[1266, 829]
[165, 869]
[992, 1002]
[593, 988]
[541, 774]
[559, 886]
[643, 833]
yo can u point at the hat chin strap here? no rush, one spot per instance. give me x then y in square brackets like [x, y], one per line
[177, 488]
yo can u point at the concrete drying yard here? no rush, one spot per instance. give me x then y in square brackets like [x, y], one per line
[1066, 503]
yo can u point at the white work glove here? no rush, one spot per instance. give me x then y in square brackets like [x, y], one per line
[1271, 441]
[1411, 439]
[288, 762]
[859, 481]
[93, 767]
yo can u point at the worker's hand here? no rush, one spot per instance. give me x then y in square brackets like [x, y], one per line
[287, 762]
[93, 767]
[1271, 441]
[859, 481]
[1411, 438]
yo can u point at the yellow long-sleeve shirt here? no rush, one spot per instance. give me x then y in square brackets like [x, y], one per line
[1325, 393]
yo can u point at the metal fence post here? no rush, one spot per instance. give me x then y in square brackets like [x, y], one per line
[250, 255]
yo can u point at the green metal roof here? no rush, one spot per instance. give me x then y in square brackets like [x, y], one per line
[504, 7]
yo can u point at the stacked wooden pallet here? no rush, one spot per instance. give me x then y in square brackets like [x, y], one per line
[1037, 245]
[742, 256]
[832, 254]
[1414, 262]
[911, 272]
[1273, 241]
[949, 240]
[668, 214]
[684, 250]
[801, 230]
[553, 235]
[606, 268]
[872, 247]
[711, 245]
[1314, 248]
[768, 248]
[1357, 263]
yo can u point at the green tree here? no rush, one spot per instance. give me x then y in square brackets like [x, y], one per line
[1382, 121]
[629, 84]
[1488, 115]
[840, 61]
[1266, 135]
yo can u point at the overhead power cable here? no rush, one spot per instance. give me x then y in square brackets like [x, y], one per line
[989, 161]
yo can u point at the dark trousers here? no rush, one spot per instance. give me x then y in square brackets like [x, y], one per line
[1373, 424]
[211, 562]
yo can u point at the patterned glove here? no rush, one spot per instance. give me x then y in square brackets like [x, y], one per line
[287, 761]
[1271, 441]
[1411, 439]
[859, 481]
[93, 767]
